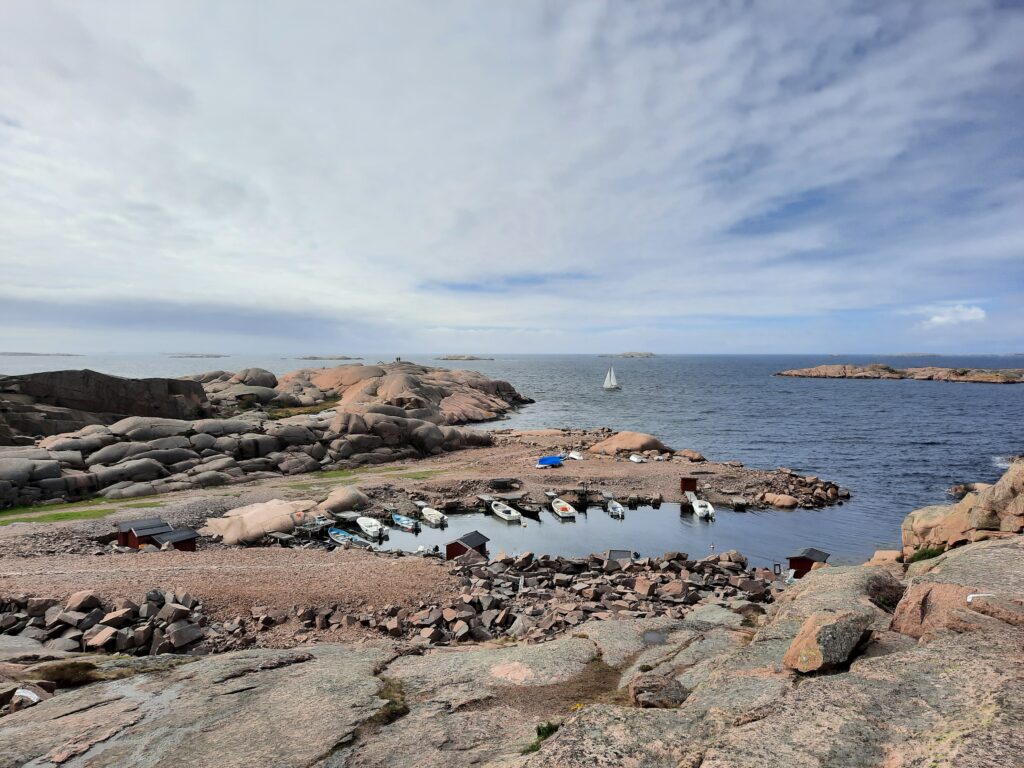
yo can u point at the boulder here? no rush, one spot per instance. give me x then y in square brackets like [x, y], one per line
[828, 639]
[344, 499]
[255, 377]
[629, 442]
[251, 523]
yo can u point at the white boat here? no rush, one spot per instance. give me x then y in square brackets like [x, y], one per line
[703, 509]
[636, 458]
[610, 382]
[432, 517]
[563, 508]
[370, 527]
[575, 456]
[616, 510]
[505, 512]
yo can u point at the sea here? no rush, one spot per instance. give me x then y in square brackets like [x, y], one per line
[896, 445]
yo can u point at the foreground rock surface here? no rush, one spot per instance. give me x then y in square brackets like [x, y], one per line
[722, 693]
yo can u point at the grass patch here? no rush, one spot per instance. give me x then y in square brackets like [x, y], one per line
[544, 730]
[284, 413]
[64, 505]
[925, 553]
[392, 692]
[60, 517]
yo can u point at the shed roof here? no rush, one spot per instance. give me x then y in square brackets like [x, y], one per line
[142, 522]
[179, 534]
[473, 539]
[811, 553]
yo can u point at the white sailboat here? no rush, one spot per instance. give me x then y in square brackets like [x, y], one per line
[610, 382]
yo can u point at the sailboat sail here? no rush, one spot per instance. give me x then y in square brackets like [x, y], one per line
[610, 382]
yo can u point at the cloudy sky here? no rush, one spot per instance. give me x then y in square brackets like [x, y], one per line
[511, 176]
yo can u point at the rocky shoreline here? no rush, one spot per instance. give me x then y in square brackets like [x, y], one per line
[931, 373]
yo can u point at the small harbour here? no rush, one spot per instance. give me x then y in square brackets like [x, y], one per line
[649, 531]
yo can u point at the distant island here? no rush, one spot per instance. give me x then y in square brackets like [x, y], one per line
[931, 373]
[326, 357]
[39, 354]
[195, 355]
[631, 354]
[462, 357]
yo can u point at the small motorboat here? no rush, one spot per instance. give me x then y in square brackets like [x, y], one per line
[616, 510]
[704, 510]
[575, 456]
[636, 458]
[370, 527]
[531, 511]
[405, 523]
[505, 512]
[547, 462]
[550, 494]
[563, 509]
[338, 536]
[432, 517]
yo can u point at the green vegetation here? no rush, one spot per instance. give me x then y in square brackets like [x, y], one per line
[544, 730]
[284, 413]
[392, 692]
[60, 517]
[64, 505]
[91, 509]
[925, 553]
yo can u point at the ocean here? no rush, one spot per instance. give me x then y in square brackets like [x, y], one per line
[897, 445]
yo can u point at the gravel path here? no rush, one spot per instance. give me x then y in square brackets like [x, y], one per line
[231, 581]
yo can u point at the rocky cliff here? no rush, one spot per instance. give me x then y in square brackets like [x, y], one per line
[932, 373]
[994, 511]
[37, 404]
[378, 414]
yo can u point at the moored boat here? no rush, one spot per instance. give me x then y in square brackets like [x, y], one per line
[370, 527]
[636, 458]
[403, 522]
[432, 517]
[563, 509]
[339, 536]
[616, 510]
[505, 512]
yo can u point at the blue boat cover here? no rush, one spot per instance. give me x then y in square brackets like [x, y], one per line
[550, 461]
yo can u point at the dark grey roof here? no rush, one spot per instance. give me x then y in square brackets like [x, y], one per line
[473, 539]
[179, 534]
[151, 530]
[144, 522]
[812, 554]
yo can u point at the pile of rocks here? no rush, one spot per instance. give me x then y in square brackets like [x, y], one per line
[787, 490]
[163, 622]
[536, 598]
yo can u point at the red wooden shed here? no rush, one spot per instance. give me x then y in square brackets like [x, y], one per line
[472, 540]
[802, 561]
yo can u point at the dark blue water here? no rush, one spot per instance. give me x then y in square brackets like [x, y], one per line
[897, 445]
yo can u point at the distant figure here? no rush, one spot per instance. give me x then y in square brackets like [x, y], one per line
[398, 359]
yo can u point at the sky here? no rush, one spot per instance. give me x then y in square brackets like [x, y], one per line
[471, 177]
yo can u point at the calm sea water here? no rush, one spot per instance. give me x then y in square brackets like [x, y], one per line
[897, 445]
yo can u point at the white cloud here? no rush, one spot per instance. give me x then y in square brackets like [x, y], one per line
[955, 314]
[349, 160]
